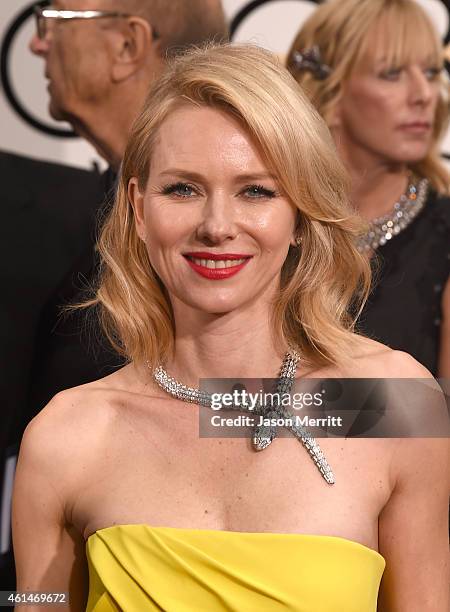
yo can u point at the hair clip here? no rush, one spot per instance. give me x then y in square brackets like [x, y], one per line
[309, 61]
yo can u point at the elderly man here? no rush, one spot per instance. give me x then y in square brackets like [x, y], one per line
[101, 57]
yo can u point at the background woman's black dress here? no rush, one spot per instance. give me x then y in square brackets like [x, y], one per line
[410, 273]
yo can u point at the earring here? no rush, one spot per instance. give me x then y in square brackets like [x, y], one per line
[298, 241]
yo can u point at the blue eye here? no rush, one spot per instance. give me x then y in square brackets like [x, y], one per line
[181, 190]
[256, 192]
[433, 73]
[393, 74]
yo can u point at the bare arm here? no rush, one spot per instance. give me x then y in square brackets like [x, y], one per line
[413, 526]
[444, 352]
[49, 552]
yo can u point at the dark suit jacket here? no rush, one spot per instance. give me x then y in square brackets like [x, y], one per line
[47, 237]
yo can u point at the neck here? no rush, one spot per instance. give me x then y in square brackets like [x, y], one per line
[233, 345]
[377, 184]
[107, 125]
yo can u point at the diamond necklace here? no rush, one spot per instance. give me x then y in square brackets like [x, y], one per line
[403, 213]
[263, 434]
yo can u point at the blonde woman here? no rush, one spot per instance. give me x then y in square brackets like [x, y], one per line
[229, 250]
[374, 70]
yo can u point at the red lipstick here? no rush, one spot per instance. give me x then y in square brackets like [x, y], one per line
[194, 259]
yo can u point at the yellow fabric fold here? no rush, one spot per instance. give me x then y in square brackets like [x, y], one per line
[138, 567]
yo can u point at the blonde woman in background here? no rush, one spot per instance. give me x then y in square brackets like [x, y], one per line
[230, 249]
[374, 71]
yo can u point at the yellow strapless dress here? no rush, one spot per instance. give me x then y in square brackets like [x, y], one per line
[138, 567]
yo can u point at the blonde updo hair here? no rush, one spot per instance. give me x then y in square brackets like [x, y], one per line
[318, 282]
[341, 30]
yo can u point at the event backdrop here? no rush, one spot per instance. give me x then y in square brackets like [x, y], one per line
[25, 126]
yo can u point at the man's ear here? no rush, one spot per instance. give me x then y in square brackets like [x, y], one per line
[136, 199]
[131, 46]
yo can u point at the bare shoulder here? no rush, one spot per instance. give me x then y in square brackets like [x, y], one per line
[417, 410]
[59, 460]
[74, 420]
[373, 359]
[370, 359]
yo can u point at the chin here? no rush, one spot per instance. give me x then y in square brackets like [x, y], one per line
[215, 304]
[415, 152]
[57, 111]
[412, 154]
[414, 158]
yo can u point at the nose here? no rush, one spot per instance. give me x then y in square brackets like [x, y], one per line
[218, 220]
[421, 89]
[38, 46]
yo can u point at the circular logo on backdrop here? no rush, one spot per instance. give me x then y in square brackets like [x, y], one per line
[248, 10]
[6, 76]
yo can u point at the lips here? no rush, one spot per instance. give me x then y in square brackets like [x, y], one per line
[217, 266]
[419, 126]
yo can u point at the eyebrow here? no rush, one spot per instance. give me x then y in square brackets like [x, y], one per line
[196, 176]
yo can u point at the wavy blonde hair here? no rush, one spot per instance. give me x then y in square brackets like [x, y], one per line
[318, 283]
[341, 30]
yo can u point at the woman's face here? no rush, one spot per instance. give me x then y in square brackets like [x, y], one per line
[387, 112]
[216, 225]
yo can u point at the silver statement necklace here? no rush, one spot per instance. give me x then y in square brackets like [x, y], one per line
[263, 434]
[382, 229]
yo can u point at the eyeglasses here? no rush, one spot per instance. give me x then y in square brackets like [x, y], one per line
[42, 15]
